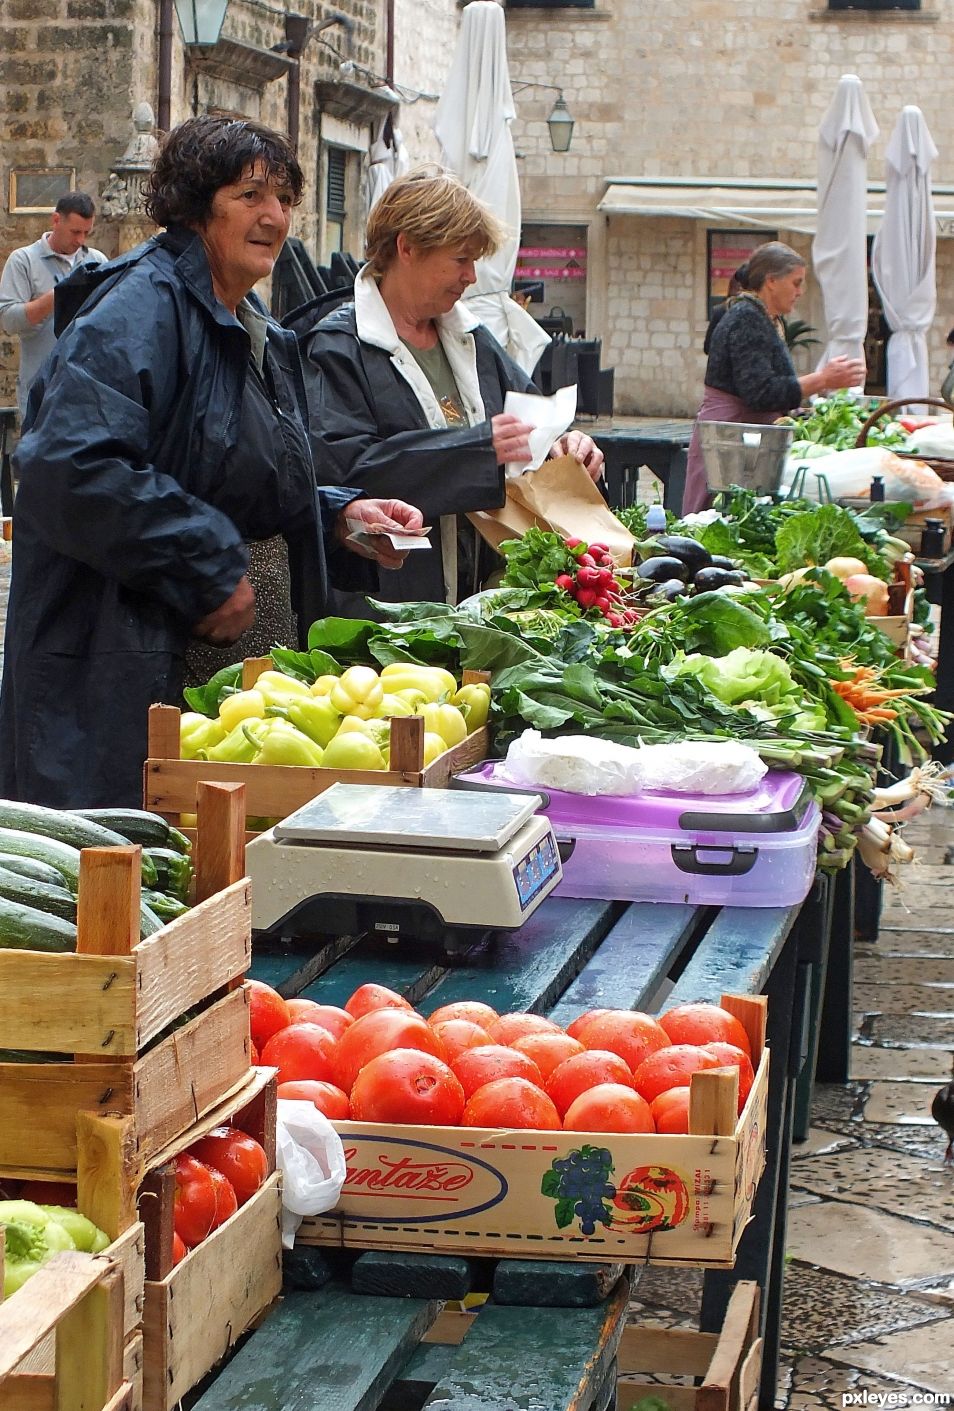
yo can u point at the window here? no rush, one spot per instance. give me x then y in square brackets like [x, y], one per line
[37, 189]
[874, 4]
[336, 209]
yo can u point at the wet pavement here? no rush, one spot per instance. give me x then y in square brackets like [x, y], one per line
[869, 1283]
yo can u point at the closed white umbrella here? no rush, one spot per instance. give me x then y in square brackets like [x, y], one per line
[380, 165]
[839, 250]
[903, 257]
[472, 125]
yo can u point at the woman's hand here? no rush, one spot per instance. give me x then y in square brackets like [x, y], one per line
[378, 517]
[230, 619]
[583, 449]
[842, 372]
[511, 438]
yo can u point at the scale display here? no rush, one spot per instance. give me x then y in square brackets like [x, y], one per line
[385, 816]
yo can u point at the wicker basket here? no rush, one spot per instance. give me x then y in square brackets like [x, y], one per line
[943, 468]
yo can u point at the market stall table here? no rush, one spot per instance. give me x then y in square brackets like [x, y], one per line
[628, 443]
[569, 957]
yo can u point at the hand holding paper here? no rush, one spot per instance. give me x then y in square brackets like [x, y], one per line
[383, 530]
[549, 416]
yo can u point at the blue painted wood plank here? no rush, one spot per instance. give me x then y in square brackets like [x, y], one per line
[409, 967]
[537, 1359]
[528, 970]
[332, 1349]
[736, 955]
[290, 969]
[631, 962]
[408, 1275]
[553, 1283]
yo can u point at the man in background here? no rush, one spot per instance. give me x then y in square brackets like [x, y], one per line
[29, 277]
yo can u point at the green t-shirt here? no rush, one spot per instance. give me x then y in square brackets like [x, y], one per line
[435, 367]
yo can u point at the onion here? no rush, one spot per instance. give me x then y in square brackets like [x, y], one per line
[846, 567]
[873, 590]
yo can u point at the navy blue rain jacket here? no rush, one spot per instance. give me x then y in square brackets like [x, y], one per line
[128, 531]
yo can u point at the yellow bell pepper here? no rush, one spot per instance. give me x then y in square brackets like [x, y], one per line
[394, 705]
[412, 695]
[358, 692]
[434, 681]
[276, 687]
[244, 705]
[474, 701]
[197, 732]
[278, 742]
[446, 721]
[353, 749]
[434, 745]
[323, 684]
[236, 748]
[315, 717]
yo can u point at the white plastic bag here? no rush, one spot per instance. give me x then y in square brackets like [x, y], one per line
[575, 764]
[701, 767]
[312, 1162]
[848, 475]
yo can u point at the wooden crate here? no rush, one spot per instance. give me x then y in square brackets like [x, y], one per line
[274, 791]
[727, 1363]
[195, 1311]
[131, 1088]
[78, 1298]
[468, 1190]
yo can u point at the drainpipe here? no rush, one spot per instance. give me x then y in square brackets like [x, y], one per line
[164, 65]
[293, 98]
[389, 42]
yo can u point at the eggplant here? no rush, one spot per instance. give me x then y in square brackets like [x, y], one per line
[708, 579]
[661, 568]
[721, 561]
[672, 589]
[688, 551]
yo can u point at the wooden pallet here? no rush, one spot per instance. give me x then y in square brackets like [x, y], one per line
[274, 791]
[78, 1300]
[135, 1081]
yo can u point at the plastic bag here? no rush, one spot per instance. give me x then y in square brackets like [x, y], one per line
[848, 475]
[701, 767]
[312, 1162]
[575, 764]
[935, 440]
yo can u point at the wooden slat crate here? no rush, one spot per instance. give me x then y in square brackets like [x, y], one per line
[131, 1088]
[274, 791]
[681, 1200]
[78, 1298]
[195, 1311]
[727, 1363]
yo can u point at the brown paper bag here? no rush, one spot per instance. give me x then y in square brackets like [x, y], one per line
[562, 497]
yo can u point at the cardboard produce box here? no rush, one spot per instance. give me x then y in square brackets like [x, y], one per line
[675, 1199]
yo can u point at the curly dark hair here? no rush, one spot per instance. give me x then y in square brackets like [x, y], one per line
[203, 154]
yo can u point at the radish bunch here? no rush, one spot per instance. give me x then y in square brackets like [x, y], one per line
[594, 584]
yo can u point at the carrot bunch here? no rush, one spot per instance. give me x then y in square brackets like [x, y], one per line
[866, 695]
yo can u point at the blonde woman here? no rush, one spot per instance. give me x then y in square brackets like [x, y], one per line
[406, 387]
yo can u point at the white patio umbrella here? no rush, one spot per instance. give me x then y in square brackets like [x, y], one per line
[472, 125]
[839, 250]
[380, 165]
[903, 257]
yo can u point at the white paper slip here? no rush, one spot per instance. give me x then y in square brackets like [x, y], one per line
[549, 416]
[360, 534]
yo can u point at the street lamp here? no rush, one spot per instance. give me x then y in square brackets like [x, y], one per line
[200, 21]
[559, 123]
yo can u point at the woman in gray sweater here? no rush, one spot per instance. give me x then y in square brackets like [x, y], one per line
[750, 376]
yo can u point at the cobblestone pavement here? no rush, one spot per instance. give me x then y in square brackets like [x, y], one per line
[869, 1283]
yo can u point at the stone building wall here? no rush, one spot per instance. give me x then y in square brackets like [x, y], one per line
[705, 88]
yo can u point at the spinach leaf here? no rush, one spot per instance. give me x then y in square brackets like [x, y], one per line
[205, 699]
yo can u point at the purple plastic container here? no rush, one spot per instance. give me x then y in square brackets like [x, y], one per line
[752, 849]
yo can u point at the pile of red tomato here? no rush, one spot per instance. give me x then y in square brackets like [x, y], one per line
[378, 1060]
[213, 1178]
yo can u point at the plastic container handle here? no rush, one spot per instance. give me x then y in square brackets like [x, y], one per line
[565, 847]
[687, 859]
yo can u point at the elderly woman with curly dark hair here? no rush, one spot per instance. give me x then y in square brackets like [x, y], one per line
[167, 499]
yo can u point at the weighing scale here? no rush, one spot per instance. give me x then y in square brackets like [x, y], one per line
[432, 864]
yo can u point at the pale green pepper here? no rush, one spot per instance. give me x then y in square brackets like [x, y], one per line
[278, 742]
[358, 692]
[197, 732]
[474, 700]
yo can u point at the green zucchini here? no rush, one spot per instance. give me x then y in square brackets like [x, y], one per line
[167, 908]
[174, 871]
[138, 826]
[34, 869]
[56, 900]
[66, 828]
[26, 928]
[62, 856]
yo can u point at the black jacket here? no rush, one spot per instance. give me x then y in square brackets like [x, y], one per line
[368, 428]
[128, 531]
[749, 359]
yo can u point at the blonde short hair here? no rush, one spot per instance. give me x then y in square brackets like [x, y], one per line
[432, 209]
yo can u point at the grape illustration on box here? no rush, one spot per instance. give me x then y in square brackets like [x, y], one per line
[647, 1198]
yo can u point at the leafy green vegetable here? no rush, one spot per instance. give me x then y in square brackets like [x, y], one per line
[825, 532]
[206, 699]
[836, 422]
[535, 559]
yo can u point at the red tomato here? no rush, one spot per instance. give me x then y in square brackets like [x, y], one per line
[194, 1211]
[548, 1051]
[704, 1024]
[671, 1068]
[369, 997]
[458, 1034]
[267, 1012]
[375, 1033]
[513, 1026]
[49, 1192]
[472, 1009]
[582, 1019]
[300, 1051]
[631, 1035]
[179, 1249]
[329, 1016]
[609, 1107]
[226, 1201]
[671, 1111]
[237, 1155]
[407, 1085]
[584, 1070]
[254, 1054]
[731, 1057]
[326, 1097]
[510, 1102]
[477, 1066]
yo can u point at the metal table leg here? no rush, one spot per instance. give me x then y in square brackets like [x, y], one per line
[834, 1039]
